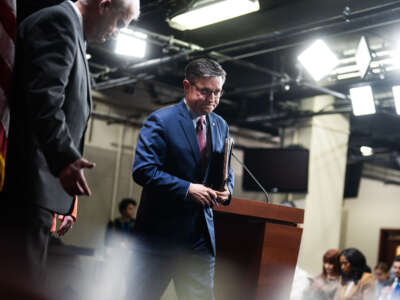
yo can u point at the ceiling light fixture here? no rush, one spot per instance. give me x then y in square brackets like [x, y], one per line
[318, 60]
[363, 57]
[131, 43]
[209, 12]
[366, 151]
[362, 100]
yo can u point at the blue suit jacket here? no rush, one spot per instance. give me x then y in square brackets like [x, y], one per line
[167, 160]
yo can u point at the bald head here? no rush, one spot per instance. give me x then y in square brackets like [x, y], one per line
[103, 19]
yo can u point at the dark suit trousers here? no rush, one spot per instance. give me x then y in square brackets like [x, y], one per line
[151, 272]
[24, 240]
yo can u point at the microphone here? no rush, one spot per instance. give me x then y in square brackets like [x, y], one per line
[267, 197]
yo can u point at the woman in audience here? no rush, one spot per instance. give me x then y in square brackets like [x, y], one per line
[323, 287]
[356, 282]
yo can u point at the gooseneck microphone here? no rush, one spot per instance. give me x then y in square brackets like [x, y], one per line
[268, 199]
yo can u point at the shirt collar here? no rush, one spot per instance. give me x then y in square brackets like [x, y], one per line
[77, 12]
[193, 115]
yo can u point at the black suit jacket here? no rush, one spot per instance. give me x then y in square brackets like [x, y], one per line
[51, 107]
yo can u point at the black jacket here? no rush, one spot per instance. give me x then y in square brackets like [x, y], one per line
[51, 107]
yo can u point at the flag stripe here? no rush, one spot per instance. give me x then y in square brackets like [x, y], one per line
[8, 19]
[8, 30]
[7, 48]
[4, 111]
[5, 77]
[3, 142]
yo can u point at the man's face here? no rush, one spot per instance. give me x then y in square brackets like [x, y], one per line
[203, 95]
[130, 211]
[111, 20]
[380, 275]
[396, 269]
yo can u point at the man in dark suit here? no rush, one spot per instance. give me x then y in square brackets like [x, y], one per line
[176, 157]
[49, 115]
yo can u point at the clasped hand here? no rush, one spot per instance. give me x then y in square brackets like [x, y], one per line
[205, 196]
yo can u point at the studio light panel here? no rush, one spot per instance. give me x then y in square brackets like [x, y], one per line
[362, 100]
[318, 60]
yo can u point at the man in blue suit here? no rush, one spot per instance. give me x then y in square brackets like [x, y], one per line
[177, 163]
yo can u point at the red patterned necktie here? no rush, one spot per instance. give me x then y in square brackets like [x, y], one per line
[201, 137]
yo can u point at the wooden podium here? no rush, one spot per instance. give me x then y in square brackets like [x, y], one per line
[257, 249]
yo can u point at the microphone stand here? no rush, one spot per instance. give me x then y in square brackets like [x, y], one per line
[267, 197]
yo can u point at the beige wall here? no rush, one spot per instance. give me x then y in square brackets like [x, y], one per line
[377, 206]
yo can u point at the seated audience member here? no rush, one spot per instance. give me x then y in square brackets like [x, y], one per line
[119, 232]
[356, 282]
[382, 276]
[324, 286]
[392, 292]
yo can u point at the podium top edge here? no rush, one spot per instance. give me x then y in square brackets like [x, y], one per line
[262, 210]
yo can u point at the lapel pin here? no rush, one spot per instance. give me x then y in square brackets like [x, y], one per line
[213, 124]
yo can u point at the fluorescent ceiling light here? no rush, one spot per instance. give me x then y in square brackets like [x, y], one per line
[362, 100]
[363, 57]
[318, 60]
[366, 151]
[347, 75]
[131, 43]
[396, 95]
[395, 54]
[210, 12]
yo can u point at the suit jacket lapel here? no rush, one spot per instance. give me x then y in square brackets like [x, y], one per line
[213, 132]
[83, 52]
[82, 49]
[190, 133]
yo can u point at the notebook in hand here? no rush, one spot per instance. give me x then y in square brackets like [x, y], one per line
[219, 167]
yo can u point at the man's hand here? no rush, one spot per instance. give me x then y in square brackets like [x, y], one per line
[66, 224]
[223, 196]
[73, 180]
[202, 194]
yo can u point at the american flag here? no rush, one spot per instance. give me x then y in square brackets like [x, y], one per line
[8, 27]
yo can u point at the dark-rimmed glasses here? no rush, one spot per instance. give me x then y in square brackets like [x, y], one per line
[205, 92]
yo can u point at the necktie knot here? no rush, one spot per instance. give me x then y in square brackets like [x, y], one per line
[200, 124]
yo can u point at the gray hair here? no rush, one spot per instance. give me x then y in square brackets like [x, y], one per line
[204, 67]
[123, 4]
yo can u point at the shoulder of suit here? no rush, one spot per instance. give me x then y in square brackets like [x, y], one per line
[218, 119]
[55, 13]
[170, 113]
[166, 113]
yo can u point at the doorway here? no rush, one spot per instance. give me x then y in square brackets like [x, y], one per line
[389, 245]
